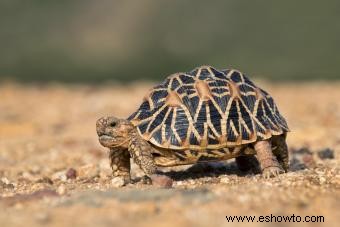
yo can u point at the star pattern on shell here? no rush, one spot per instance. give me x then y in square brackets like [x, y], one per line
[207, 109]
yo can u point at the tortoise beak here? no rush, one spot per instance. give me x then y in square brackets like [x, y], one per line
[100, 126]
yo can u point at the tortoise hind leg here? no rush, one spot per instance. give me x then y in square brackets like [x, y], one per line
[281, 150]
[268, 161]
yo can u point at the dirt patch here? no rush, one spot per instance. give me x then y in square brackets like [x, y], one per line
[54, 172]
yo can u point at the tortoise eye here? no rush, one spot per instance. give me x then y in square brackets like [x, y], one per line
[113, 124]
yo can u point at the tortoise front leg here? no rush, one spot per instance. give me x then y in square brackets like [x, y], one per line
[269, 164]
[120, 164]
[140, 151]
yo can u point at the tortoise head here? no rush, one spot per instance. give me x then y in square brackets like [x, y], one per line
[114, 132]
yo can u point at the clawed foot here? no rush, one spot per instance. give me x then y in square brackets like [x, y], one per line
[272, 171]
[161, 181]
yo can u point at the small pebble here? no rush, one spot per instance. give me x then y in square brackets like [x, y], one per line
[71, 174]
[61, 190]
[322, 180]
[5, 180]
[225, 180]
[88, 171]
[61, 175]
[308, 160]
[326, 154]
[5, 184]
[161, 181]
[117, 182]
[178, 183]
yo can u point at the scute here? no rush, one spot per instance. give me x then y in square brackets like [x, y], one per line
[213, 109]
[181, 124]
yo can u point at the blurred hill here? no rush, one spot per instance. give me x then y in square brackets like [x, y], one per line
[87, 41]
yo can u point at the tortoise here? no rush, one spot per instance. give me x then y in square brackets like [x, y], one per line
[200, 116]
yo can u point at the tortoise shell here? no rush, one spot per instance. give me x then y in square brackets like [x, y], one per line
[207, 109]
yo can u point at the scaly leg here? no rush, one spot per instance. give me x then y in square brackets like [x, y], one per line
[269, 164]
[281, 151]
[140, 151]
[120, 164]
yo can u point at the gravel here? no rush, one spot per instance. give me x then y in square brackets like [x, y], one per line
[53, 171]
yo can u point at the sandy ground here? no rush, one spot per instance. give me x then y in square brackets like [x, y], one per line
[53, 172]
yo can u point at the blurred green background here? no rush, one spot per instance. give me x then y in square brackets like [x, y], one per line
[93, 41]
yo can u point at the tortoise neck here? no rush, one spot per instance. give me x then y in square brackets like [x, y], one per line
[133, 135]
[136, 141]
